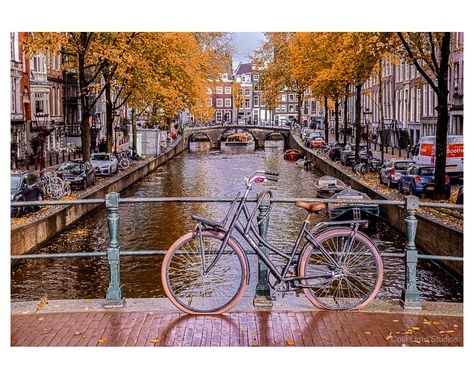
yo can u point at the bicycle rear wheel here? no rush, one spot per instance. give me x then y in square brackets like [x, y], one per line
[195, 291]
[353, 282]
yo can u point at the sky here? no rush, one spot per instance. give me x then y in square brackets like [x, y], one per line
[245, 43]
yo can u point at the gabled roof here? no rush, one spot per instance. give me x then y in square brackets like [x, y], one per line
[244, 68]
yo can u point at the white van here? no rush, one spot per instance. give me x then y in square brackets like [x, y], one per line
[425, 154]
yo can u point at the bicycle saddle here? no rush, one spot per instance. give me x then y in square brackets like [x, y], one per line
[311, 207]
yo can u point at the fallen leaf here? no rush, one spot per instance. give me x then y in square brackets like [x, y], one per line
[446, 331]
[408, 332]
[455, 326]
[86, 308]
[101, 340]
[254, 334]
[389, 337]
[415, 328]
[290, 342]
[84, 337]
[77, 333]
[435, 322]
[42, 318]
[368, 333]
[395, 320]
[154, 341]
[426, 322]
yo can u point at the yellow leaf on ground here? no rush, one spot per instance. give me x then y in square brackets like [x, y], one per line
[290, 342]
[408, 332]
[389, 337]
[435, 322]
[77, 333]
[101, 340]
[415, 328]
[154, 341]
[368, 333]
[446, 331]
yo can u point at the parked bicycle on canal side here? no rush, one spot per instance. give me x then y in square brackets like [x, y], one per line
[206, 271]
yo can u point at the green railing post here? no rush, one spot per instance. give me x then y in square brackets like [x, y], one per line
[262, 294]
[410, 294]
[114, 297]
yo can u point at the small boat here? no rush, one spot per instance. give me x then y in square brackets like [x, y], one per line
[352, 210]
[327, 186]
[305, 163]
[292, 154]
[239, 140]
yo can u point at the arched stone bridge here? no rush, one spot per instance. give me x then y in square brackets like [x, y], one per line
[216, 133]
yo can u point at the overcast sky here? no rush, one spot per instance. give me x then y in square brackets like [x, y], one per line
[245, 43]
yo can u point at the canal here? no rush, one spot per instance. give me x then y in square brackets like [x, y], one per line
[157, 226]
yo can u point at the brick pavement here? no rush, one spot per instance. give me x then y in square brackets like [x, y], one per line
[243, 328]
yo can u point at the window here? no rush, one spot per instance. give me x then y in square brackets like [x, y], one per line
[291, 97]
[209, 102]
[412, 105]
[283, 97]
[228, 103]
[219, 90]
[247, 92]
[313, 106]
[430, 101]
[247, 103]
[425, 100]
[291, 108]
[218, 116]
[255, 77]
[283, 107]
[53, 102]
[228, 90]
[418, 104]
[219, 103]
[209, 90]
[255, 101]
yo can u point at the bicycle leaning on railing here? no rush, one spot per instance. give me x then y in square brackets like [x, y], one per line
[206, 271]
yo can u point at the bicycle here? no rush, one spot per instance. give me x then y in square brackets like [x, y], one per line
[123, 161]
[206, 271]
[54, 186]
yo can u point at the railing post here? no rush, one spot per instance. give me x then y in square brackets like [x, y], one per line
[410, 294]
[262, 294]
[114, 297]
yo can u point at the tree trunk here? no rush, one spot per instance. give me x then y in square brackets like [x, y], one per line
[357, 119]
[84, 94]
[336, 127]
[346, 95]
[300, 100]
[443, 120]
[134, 130]
[326, 121]
[382, 124]
[109, 116]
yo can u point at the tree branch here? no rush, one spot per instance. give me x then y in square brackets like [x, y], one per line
[433, 55]
[417, 65]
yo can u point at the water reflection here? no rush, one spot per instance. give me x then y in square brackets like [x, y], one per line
[157, 226]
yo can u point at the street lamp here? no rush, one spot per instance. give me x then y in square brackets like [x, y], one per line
[41, 120]
[367, 115]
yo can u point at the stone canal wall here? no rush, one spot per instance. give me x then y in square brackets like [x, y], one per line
[431, 236]
[29, 237]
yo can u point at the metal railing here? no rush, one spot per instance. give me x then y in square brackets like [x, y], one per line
[410, 298]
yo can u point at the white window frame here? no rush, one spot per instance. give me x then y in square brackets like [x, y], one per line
[228, 102]
[219, 103]
[228, 90]
[219, 90]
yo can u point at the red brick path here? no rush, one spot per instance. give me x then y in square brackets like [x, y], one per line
[113, 328]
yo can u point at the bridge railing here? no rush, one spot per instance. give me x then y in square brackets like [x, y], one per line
[410, 298]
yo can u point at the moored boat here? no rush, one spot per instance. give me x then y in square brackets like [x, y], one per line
[327, 186]
[292, 154]
[305, 163]
[352, 210]
[239, 140]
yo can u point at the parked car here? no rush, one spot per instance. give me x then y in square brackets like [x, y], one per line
[335, 151]
[104, 163]
[309, 136]
[317, 141]
[305, 132]
[348, 154]
[25, 186]
[392, 170]
[419, 181]
[77, 173]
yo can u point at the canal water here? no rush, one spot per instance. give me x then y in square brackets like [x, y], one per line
[157, 226]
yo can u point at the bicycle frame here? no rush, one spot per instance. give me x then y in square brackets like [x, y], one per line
[249, 232]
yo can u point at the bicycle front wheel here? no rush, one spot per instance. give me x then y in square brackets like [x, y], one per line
[197, 280]
[349, 277]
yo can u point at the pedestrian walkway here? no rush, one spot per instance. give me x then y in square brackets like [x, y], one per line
[244, 327]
